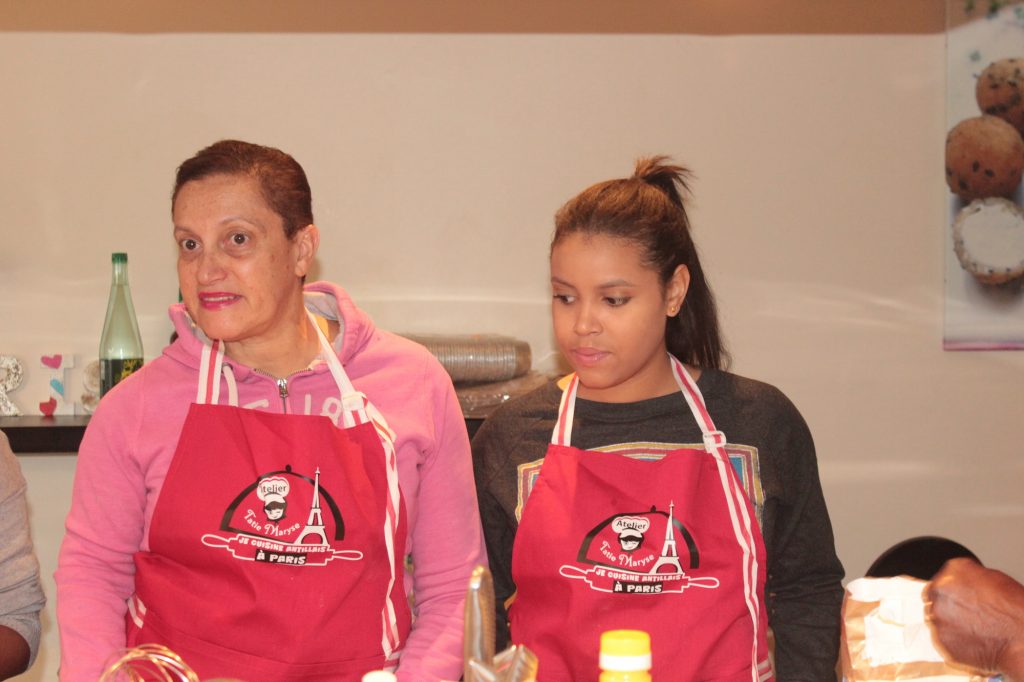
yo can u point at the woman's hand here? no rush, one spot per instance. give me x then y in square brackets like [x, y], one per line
[977, 615]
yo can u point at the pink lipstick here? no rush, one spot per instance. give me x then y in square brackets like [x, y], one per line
[216, 300]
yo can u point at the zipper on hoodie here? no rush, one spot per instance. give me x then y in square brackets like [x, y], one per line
[282, 386]
[282, 389]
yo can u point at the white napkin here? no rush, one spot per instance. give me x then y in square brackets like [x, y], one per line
[896, 632]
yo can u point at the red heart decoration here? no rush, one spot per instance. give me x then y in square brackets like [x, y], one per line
[52, 361]
[48, 407]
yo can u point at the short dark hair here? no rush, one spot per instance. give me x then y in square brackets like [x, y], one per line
[282, 180]
[647, 210]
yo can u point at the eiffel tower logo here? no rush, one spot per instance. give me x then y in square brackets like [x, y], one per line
[669, 556]
[315, 523]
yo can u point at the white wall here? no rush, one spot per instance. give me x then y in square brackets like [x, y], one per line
[437, 162]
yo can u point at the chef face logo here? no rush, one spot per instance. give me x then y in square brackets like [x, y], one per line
[631, 531]
[274, 493]
[257, 527]
[639, 553]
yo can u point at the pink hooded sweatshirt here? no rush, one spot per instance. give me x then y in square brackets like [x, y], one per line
[132, 437]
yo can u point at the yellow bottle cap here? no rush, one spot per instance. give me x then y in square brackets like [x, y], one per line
[379, 676]
[625, 650]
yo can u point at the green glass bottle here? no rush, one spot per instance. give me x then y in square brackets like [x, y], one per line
[120, 343]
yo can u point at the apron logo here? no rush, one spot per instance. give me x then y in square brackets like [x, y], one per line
[273, 491]
[260, 527]
[637, 554]
[631, 531]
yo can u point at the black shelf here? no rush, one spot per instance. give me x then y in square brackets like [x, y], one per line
[61, 435]
[33, 435]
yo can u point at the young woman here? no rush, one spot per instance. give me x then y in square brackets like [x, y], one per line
[250, 498]
[651, 489]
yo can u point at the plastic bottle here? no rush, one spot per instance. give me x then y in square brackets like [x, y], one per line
[120, 343]
[625, 656]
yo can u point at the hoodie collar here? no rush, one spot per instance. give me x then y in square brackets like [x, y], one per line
[325, 299]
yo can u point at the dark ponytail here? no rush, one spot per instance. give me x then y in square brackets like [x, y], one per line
[647, 210]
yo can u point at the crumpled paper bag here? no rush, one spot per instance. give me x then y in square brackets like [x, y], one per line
[885, 635]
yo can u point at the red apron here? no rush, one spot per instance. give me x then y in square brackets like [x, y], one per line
[671, 547]
[277, 542]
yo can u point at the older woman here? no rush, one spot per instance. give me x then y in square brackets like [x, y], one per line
[250, 498]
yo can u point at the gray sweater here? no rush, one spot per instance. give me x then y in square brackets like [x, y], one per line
[766, 437]
[21, 596]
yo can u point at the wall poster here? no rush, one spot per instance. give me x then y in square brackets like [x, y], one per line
[984, 243]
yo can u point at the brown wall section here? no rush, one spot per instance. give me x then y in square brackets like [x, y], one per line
[706, 17]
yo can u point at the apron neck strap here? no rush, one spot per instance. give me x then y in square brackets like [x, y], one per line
[566, 409]
[713, 438]
[337, 371]
[211, 362]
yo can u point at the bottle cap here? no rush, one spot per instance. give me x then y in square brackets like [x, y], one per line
[625, 650]
[119, 257]
[379, 676]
